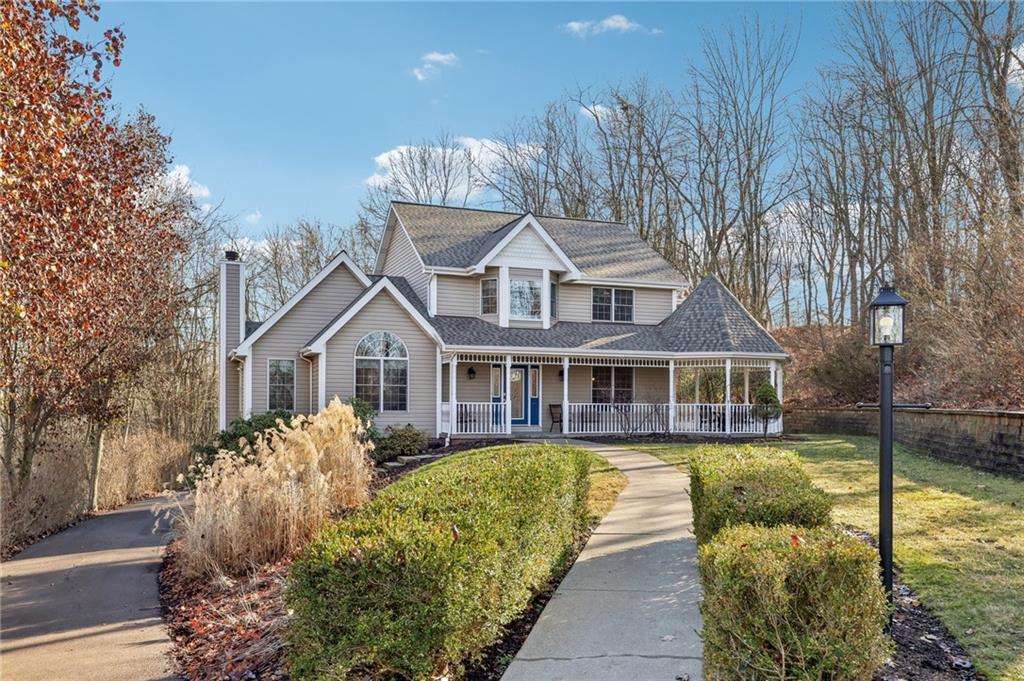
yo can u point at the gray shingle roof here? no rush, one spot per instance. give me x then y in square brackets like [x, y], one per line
[458, 237]
[568, 335]
[711, 319]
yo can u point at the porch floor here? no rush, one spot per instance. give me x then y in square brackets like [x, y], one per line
[628, 608]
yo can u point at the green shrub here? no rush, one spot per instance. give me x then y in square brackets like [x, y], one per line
[230, 439]
[425, 577]
[733, 485]
[767, 407]
[366, 413]
[405, 441]
[791, 603]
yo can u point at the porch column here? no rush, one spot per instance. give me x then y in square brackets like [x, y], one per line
[453, 411]
[696, 385]
[439, 425]
[746, 385]
[672, 396]
[728, 396]
[545, 299]
[508, 394]
[778, 390]
[565, 395]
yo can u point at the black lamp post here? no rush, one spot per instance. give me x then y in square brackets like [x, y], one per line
[886, 332]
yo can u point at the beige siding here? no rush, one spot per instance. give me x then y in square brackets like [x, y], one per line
[293, 331]
[401, 260]
[650, 305]
[527, 247]
[458, 296]
[383, 313]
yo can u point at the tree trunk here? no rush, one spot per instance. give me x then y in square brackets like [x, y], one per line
[97, 459]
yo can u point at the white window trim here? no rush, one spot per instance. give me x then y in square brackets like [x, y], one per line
[295, 379]
[497, 296]
[613, 289]
[540, 293]
[614, 370]
[380, 381]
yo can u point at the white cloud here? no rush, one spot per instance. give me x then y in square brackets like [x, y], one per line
[180, 177]
[613, 23]
[254, 217]
[446, 58]
[1015, 75]
[486, 155]
[598, 112]
[431, 64]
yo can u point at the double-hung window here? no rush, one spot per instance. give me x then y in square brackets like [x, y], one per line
[524, 299]
[281, 385]
[382, 371]
[488, 296]
[611, 385]
[554, 299]
[611, 304]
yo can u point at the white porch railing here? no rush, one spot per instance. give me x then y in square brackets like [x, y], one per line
[618, 418]
[474, 418]
[488, 418]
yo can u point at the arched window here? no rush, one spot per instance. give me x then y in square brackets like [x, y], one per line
[382, 371]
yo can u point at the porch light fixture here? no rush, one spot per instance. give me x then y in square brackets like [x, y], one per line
[471, 373]
[561, 374]
[886, 332]
[887, 317]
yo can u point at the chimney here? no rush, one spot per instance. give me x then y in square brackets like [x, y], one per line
[231, 313]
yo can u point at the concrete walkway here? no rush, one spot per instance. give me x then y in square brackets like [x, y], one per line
[628, 608]
[84, 603]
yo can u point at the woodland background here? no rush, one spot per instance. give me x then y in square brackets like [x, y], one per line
[904, 162]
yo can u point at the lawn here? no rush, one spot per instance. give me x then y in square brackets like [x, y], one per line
[959, 537]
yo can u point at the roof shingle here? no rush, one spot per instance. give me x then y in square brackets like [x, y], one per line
[458, 237]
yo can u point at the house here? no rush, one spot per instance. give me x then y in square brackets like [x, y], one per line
[478, 322]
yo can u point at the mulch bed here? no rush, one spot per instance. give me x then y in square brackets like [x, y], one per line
[925, 649]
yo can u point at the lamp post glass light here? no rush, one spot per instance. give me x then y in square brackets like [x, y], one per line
[886, 332]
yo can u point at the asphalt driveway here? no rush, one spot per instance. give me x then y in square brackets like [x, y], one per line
[85, 604]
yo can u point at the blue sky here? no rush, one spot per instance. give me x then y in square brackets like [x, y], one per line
[279, 109]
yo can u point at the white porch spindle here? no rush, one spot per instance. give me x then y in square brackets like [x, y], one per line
[728, 396]
[453, 408]
[672, 396]
[508, 394]
[565, 395]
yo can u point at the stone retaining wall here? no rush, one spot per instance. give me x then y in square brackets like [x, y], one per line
[988, 440]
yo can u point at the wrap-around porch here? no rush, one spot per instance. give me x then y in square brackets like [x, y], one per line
[508, 394]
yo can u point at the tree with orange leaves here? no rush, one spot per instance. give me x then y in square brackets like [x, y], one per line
[89, 231]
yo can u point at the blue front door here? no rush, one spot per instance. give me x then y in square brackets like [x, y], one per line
[524, 386]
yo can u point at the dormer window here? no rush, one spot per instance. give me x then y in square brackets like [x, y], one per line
[611, 304]
[524, 299]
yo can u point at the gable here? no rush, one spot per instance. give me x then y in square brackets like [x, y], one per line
[527, 248]
[310, 313]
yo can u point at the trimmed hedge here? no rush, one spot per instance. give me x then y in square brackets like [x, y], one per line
[425, 577]
[734, 485]
[791, 603]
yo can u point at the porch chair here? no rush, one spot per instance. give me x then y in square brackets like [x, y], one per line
[555, 410]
